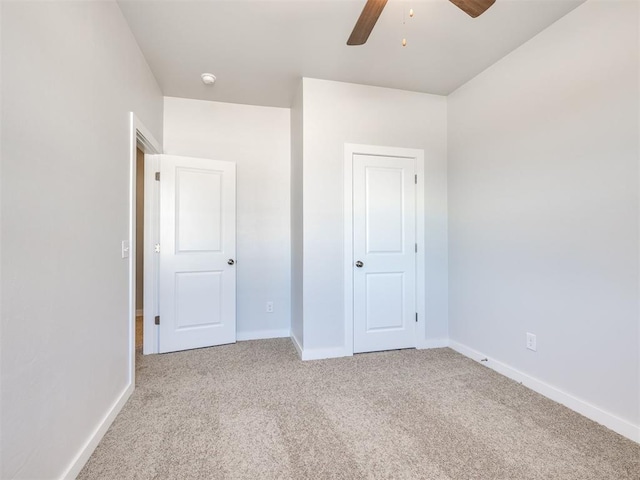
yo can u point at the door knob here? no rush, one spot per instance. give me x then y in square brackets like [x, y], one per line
[230, 261]
[359, 264]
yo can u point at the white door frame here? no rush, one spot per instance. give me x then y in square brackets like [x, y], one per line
[140, 137]
[151, 264]
[351, 149]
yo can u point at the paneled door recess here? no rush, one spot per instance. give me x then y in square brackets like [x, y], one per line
[384, 253]
[197, 293]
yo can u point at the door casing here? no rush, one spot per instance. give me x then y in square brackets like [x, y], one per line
[351, 149]
[151, 257]
[140, 137]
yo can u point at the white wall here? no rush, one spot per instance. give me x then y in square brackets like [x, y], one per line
[543, 209]
[297, 231]
[337, 113]
[257, 139]
[71, 74]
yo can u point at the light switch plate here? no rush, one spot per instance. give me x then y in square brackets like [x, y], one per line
[531, 342]
[125, 249]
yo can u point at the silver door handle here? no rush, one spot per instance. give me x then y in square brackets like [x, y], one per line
[231, 261]
[359, 264]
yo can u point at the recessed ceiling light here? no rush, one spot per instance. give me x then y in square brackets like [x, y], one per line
[208, 78]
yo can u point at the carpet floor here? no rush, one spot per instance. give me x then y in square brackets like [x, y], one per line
[253, 410]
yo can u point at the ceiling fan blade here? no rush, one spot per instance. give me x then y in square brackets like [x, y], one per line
[473, 8]
[366, 22]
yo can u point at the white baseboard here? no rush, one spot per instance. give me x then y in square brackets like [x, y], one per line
[85, 452]
[296, 343]
[609, 420]
[432, 343]
[262, 334]
[336, 352]
[319, 353]
[323, 353]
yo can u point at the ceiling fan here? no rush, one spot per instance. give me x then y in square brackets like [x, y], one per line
[373, 9]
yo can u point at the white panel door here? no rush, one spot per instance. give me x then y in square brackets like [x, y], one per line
[384, 239]
[197, 294]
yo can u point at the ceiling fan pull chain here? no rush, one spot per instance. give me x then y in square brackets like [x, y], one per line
[404, 40]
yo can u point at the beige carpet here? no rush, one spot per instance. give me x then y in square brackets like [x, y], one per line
[255, 411]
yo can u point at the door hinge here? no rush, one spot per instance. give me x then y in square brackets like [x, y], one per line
[416, 177]
[157, 176]
[156, 248]
[416, 316]
[157, 319]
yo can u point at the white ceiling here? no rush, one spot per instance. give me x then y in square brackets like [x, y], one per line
[259, 49]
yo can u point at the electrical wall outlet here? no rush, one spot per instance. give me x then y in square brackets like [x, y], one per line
[269, 307]
[531, 341]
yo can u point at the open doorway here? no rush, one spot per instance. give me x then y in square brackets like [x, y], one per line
[142, 147]
[139, 305]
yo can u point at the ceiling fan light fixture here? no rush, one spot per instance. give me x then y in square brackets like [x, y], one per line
[208, 78]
